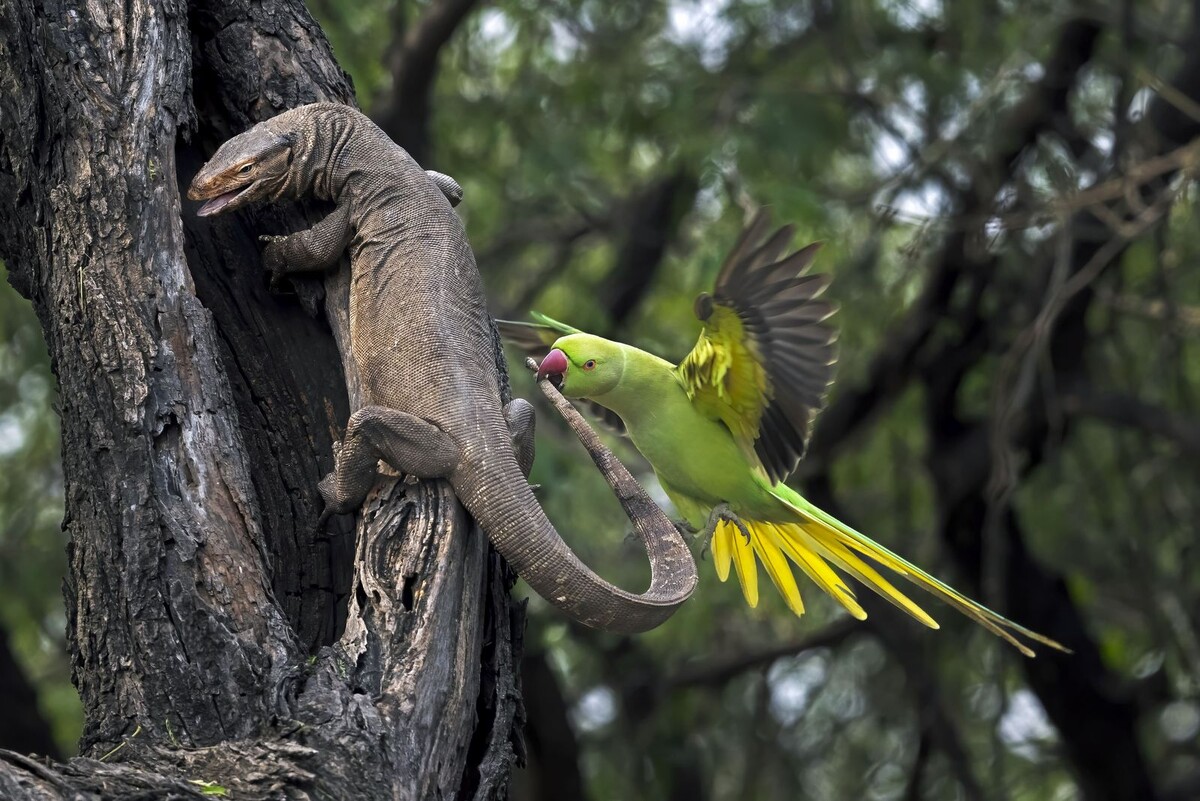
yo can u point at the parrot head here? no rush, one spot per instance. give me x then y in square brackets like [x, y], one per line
[583, 366]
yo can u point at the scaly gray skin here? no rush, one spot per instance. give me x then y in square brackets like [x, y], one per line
[421, 338]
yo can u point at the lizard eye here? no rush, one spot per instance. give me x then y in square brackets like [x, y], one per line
[590, 364]
[245, 170]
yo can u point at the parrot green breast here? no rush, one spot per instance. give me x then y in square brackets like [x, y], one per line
[695, 457]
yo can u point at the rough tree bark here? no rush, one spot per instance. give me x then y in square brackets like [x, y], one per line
[215, 637]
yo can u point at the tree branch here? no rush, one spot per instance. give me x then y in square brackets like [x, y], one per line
[171, 619]
[403, 109]
[184, 419]
[895, 631]
[1132, 412]
[1097, 720]
[891, 369]
[649, 221]
[718, 672]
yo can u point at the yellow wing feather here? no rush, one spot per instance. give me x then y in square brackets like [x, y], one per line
[725, 379]
[764, 361]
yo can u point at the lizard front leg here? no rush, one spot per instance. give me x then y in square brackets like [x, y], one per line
[407, 443]
[312, 250]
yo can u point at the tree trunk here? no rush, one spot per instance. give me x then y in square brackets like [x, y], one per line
[198, 413]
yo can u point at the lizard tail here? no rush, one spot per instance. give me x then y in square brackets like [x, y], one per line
[503, 504]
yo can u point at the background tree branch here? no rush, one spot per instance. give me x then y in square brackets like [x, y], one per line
[403, 109]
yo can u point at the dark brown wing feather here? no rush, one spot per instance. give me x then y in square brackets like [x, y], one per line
[777, 303]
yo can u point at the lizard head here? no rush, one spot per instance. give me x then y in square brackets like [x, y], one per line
[583, 366]
[251, 166]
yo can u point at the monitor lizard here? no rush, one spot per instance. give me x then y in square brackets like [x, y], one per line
[422, 341]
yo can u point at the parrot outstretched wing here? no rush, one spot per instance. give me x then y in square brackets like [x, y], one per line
[765, 357]
[532, 339]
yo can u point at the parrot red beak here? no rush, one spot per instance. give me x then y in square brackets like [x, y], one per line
[554, 367]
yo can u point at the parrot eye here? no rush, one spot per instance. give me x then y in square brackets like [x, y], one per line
[590, 364]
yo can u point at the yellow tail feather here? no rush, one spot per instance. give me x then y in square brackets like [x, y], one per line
[722, 548]
[777, 567]
[797, 546]
[820, 540]
[747, 571]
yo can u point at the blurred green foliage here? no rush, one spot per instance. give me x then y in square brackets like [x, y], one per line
[32, 544]
[856, 125]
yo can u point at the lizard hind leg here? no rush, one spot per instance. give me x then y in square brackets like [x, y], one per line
[521, 422]
[407, 443]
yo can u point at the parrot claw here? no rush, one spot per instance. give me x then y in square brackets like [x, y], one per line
[685, 527]
[722, 512]
[690, 533]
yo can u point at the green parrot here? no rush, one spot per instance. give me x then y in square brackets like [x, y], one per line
[725, 427]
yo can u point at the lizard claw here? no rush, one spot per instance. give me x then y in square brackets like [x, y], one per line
[322, 521]
[273, 260]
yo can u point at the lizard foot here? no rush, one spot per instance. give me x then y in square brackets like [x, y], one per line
[319, 532]
[328, 489]
[273, 261]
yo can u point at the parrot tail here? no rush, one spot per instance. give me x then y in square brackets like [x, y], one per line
[818, 539]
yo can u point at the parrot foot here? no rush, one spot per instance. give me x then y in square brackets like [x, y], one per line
[722, 512]
[687, 530]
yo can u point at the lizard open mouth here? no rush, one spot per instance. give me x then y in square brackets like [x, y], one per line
[218, 203]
